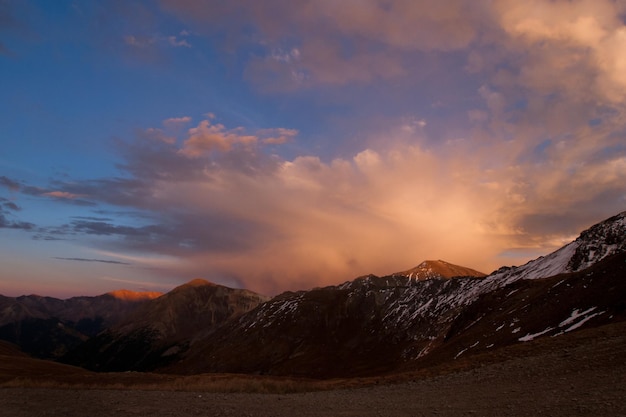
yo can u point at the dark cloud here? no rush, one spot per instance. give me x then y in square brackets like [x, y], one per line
[101, 228]
[9, 183]
[155, 160]
[7, 224]
[105, 261]
[47, 237]
[12, 206]
[8, 204]
[33, 190]
[178, 234]
[91, 218]
[124, 192]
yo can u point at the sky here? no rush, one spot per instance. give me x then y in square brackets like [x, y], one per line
[289, 144]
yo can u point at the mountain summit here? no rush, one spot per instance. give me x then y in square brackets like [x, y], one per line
[438, 270]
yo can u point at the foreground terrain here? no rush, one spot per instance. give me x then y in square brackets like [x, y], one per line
[579, 374]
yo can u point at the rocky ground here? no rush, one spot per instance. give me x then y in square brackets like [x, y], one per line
[584, 375]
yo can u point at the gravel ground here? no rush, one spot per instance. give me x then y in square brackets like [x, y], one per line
[587, 380]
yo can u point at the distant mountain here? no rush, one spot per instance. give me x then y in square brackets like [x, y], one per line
[134, 295]
[157, 331]
[439, 270]
[379, 324]
[48, 327]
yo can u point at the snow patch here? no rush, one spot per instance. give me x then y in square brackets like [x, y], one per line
[583, 321]
[530, 337]
[575, 315]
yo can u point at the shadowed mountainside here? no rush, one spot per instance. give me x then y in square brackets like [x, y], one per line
[48, 327]
[156, 332]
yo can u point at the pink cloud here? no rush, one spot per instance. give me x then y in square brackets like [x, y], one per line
[208, 137]
[61, 194]
[176, 121]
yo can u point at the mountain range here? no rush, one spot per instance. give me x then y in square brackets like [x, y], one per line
[434, 313]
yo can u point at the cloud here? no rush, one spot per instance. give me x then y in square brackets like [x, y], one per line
[106, 261]
[308, 43]
[175, 122]
[10, 205]
[577, 48]
[208, 138]
[217, 205]
[61, 195]
[139, 42]
[177, 43]
[143, 42]
[9, 183]
[277, 136]
[5, 223]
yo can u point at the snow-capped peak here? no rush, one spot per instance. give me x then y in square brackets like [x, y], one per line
[593, 245]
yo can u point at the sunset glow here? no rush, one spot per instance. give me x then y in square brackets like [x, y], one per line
[282, 145]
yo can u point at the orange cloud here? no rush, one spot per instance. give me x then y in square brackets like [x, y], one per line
[208, 137]
[61, 194]
[578, 46]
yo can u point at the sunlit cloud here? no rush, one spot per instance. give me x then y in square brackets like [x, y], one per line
[61, 194]
[176, 121]
[305, 222]
[208, 137]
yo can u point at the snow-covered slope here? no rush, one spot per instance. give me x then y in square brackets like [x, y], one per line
[593, 245]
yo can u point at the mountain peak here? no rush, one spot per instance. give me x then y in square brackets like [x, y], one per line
[128, 295]
[439, 269]
[197, 282]
[599, 241]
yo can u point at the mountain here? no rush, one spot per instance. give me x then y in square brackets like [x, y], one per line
[357, 328]
[134, 295]
[438, 270]
[157, 331]
[528, 309]
[381, 324]
[48, 327]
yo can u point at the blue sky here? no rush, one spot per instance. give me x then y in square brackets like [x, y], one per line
[283, 145]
